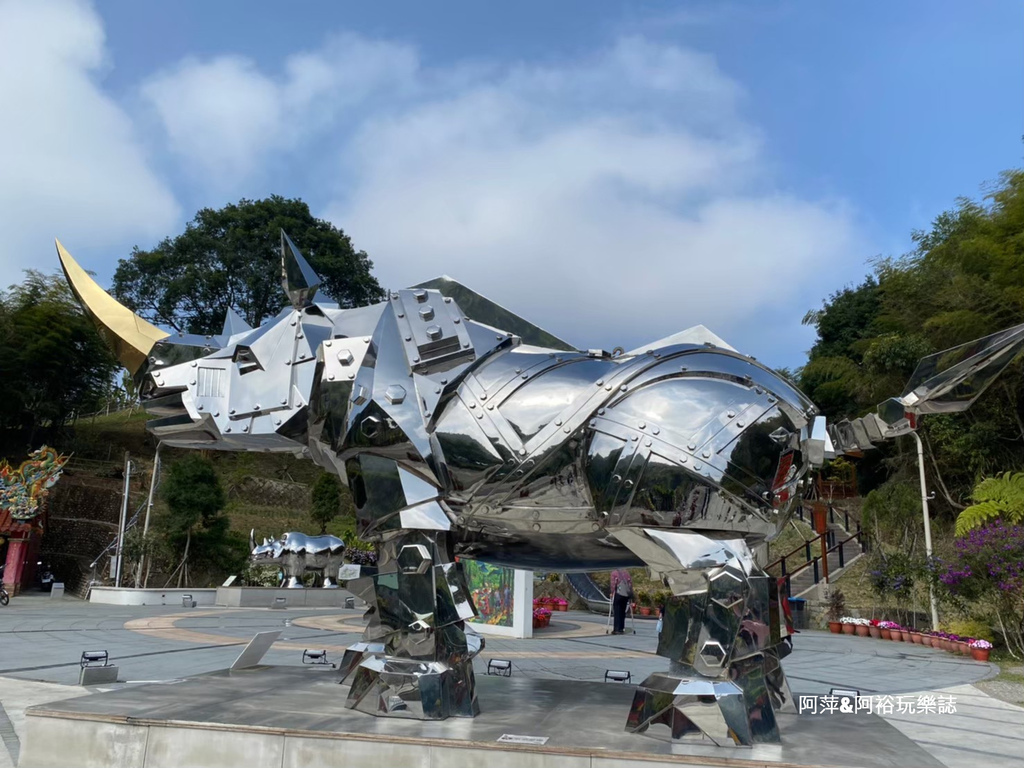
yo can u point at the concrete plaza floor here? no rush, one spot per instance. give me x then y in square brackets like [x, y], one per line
[41, 641]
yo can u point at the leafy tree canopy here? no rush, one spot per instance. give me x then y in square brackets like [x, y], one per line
[52, 361]
[231, 258]
[963, 280]
[326, 501]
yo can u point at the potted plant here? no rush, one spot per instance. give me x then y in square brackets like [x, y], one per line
[862, 627]
[980, 649]
[643, 597]
[926, 639]
[836, 609]
[874, 629]
[886, 629]
[849, 625]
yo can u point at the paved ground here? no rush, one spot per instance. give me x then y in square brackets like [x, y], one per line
[42, 641]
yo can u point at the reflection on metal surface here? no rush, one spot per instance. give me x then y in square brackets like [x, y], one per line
[296, 554]
[463, 430]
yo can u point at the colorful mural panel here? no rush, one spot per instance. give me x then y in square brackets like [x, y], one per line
[492, 589]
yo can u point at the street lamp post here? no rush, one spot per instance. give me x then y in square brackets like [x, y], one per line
[927, 525]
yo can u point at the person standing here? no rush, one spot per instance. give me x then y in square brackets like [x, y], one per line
[622, 593]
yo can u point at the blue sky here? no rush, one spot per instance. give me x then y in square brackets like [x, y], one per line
[616, 172]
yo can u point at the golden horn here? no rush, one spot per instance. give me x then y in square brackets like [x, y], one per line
[128, 335]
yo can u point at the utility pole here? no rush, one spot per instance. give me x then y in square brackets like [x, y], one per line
[149, 508]
[123, 521]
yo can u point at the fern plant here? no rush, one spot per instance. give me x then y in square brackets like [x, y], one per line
[1000, 497]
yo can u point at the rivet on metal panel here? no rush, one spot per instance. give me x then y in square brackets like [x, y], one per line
[642, 425]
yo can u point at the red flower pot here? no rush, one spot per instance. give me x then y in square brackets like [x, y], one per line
[926, 640]
[875, 632]
[916, 637]
[862, 631]
[980, 654]
[886, 635]
[897, 636]
[906, 635]
[645, 611]
[835, 627]
[849, 629]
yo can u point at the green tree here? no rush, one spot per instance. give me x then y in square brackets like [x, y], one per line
[961, 281]
[326, 502]
[194, 500]
[231, 258]
[52, 361]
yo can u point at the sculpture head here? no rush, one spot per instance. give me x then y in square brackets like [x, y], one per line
[243, 389]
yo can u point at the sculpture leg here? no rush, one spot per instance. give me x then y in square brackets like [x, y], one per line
[724, 680]
[416, 658]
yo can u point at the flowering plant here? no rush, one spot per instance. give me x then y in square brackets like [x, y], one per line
[982, 644]
[540, 613]
[987, 569]
[876, 623]
[854, 620]
[889, 625]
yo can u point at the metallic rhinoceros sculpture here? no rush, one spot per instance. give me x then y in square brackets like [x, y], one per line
[502, 443]
[296, 554]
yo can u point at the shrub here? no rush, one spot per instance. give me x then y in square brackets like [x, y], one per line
[987, 569]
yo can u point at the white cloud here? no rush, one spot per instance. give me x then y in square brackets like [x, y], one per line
[72, 166]
[223, 117]
[614, 198]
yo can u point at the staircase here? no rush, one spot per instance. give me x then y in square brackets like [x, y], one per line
[844, 546]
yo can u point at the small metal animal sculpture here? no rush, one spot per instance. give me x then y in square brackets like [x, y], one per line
[296, 554]
[467, 431]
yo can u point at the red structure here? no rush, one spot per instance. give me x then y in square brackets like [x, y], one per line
[21, 549]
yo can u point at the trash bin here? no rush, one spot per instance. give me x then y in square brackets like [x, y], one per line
[798, 606]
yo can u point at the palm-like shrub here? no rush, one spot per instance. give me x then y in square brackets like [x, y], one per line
[1000, 497]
